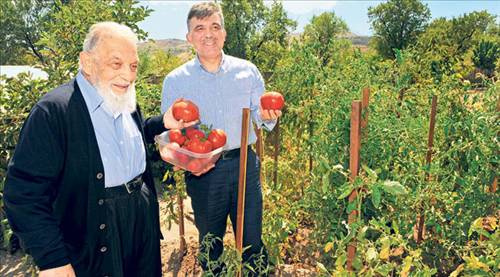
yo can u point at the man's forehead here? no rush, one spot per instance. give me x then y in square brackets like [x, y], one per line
[116, 48]
[208, 20]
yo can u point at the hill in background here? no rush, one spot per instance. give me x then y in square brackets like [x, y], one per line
[181, 48]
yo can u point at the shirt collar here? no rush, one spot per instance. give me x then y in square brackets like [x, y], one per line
[89, 92]
[222, 66]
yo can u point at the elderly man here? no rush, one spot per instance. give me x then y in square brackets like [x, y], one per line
[221, 85]
[79, 190]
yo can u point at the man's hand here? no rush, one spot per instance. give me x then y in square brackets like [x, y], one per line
[205, 170]
[170, 123]
[62, 271]
[269, 114]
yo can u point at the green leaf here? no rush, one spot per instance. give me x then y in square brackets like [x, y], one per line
[394, 188]
[376, 195]
[371, 254]
[322, 268]
[371, 173]
[346, 189]
[325, 183]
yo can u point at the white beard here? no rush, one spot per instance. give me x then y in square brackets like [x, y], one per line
[124, 103]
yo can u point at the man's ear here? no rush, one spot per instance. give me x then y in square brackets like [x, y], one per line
[188, 37]
[86, 62]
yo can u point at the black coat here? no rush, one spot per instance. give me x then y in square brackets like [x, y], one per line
[55, 180]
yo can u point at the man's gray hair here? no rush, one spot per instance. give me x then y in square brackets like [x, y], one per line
[107, 28]
[203, 10]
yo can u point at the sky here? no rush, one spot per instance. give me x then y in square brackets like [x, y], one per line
[168, 20]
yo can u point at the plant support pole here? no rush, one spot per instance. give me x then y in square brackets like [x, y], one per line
[242, 182]
[428, 159]
[355, 147]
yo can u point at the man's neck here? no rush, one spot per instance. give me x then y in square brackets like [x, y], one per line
[211, 65]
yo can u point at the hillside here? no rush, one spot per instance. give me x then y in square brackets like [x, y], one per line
[181, 47]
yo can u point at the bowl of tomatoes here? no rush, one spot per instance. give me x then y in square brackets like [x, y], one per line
[191, 149]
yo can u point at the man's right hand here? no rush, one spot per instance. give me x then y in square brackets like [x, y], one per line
[62, 271]
[171, 123]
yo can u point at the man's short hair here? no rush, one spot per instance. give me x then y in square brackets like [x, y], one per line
[203, 10]
[107, 29]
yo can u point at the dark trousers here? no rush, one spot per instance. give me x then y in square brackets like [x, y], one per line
[214, 196]
[132, 242]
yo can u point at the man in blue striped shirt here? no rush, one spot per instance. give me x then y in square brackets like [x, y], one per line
[221, 86]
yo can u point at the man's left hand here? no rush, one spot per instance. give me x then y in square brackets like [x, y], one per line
[269, 114]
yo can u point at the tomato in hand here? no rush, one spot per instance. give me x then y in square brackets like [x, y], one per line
[176, 136]
[272, 101]
[192, 133]
[185, 110]
[217, 137]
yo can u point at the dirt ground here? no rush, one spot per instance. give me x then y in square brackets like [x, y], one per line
[174, 263]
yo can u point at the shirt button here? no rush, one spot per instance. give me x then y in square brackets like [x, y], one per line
[100, 202]
[102, 226]
[99, 176]
[104, 249]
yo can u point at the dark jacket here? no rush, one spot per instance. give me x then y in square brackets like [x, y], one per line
[55, 180]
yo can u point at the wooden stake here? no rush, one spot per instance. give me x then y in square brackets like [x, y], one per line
[494, 185]
[364, 106]
[242, 181]
[180, 204]
[428, 159]
[355, 145]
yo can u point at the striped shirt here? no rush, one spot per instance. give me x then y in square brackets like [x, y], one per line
[220, 96]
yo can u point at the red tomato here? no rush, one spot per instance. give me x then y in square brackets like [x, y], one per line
[176, 136]
[199, 146]
[217, 137]
[185, 110]
[195, 165]
[272, 101]
[194, 133]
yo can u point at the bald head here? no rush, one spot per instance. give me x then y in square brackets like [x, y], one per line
[108, 29]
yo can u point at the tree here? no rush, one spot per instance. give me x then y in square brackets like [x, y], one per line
[397, 24]
[21, 23]
[33, 30]
[486, 54]
[256, 32]
[446, 43]
[242, 19]
[323, 31]
[62, 37]
[268, 45]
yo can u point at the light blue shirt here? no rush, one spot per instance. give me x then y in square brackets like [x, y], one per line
[120, 142]
[220, 96]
